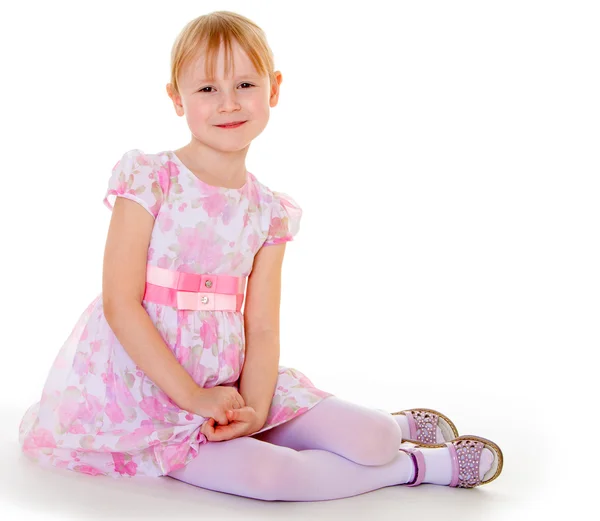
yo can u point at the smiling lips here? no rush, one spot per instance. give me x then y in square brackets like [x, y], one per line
[234, 124]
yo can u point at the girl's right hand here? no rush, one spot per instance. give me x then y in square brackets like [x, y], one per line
[214, 402]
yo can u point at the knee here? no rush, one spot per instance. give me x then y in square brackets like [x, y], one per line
[268, 481]
[384, 441]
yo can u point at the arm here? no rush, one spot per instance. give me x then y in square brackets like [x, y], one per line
[123, 285]
[261, 323]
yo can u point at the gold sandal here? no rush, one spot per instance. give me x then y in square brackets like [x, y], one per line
[465, 453]
[423, 422]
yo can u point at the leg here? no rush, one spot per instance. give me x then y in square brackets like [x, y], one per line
[363, 435]
[253, 468]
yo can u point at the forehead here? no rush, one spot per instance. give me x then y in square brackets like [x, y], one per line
[240, 64]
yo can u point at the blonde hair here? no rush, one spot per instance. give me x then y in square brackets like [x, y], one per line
[204, 35]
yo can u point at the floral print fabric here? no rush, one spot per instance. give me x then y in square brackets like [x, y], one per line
[99, 413]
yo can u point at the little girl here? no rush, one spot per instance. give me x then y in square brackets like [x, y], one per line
[165, 375]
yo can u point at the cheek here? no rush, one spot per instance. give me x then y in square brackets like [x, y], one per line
[258, 110]
[199, 115]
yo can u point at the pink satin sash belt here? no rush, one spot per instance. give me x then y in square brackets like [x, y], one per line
[193, 290]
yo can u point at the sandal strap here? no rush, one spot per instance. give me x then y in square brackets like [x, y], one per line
[419, 462]
[455, 464]
[422, 425]
[412, 426]
[466, 457]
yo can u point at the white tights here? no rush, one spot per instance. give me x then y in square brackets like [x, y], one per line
[336, 449]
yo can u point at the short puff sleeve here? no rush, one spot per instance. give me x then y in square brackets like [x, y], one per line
[285, 219]
[136, 177]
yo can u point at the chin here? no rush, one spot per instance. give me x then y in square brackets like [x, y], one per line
[234, 147]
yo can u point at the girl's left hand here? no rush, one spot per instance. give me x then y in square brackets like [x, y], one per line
[242, 422]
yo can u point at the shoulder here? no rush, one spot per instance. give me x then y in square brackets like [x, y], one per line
[282, 213]
[138, 176]
[153, 167]
[259, 190]
[268, 196]
[137, 158]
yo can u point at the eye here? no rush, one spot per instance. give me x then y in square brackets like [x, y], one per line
[204, 89]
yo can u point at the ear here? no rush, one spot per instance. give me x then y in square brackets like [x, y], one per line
[176, 99]
[275, 89]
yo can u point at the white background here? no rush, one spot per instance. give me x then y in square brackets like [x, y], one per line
[446, 158]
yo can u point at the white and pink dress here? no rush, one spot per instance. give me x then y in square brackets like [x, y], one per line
[99, 413]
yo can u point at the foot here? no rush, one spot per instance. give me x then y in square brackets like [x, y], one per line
[467, 462]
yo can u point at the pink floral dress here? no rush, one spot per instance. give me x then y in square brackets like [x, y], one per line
[98, 412]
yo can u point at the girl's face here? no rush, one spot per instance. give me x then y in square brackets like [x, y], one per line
[207, 103]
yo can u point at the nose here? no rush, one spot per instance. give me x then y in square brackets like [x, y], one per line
[229, 100]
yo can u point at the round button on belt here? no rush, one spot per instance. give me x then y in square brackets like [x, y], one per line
[208, 283]
[204, 299]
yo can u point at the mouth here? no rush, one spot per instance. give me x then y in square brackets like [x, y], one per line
[234, 124]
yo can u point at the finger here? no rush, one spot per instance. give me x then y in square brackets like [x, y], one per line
[228, 432]
[207, 428]
[243, 414]
[237, 402]
[221, 418]
[216, 434]
[204, 431]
